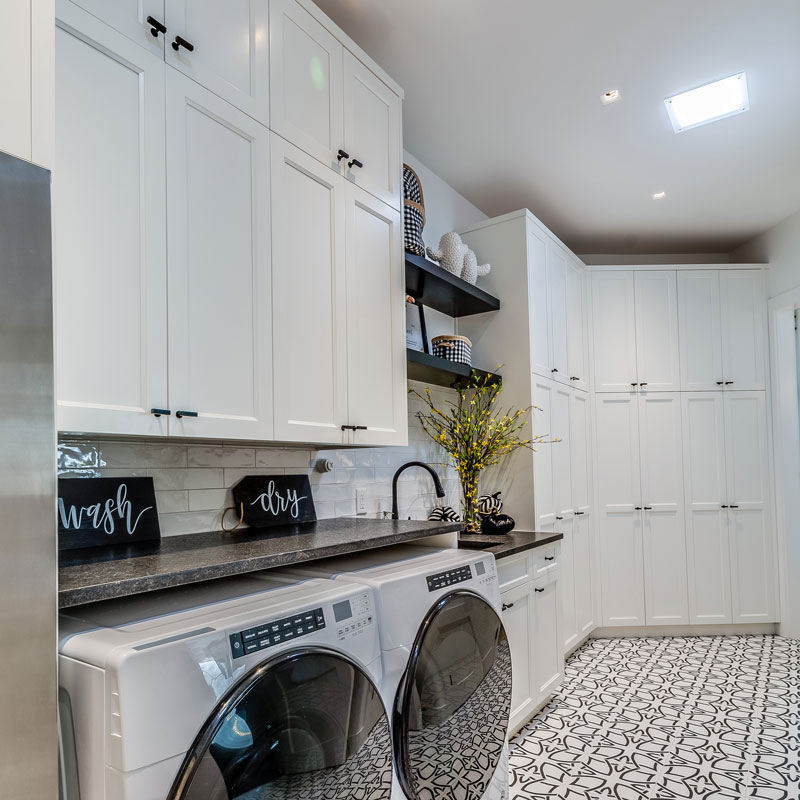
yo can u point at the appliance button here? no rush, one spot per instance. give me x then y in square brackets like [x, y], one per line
[265, 642]
[236, 645]
[277, 637]
[251, 647]
[288, 634]
[249, 635]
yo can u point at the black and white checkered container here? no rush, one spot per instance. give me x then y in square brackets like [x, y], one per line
[413, 212]
[453, 348]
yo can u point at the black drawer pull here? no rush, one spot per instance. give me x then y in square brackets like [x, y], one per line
[354, 427]
[549, 558]
[158, 27]
[637, 508]
[634, 384]
[182, 414]
[342, 155]
[648, 508]
[538, 590]
[506, 606]
[579, 513]
[160, 412]
[574, 378]
[554, 370]
[729, 383]
[355, 163]
[643, 384]
[724, 506]
[559, 517]
[733, 506]
[720, 383]
[181, 42]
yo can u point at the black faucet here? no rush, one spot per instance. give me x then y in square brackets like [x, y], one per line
[436, 482]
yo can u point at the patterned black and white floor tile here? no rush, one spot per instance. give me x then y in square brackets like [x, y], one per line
[714, 717]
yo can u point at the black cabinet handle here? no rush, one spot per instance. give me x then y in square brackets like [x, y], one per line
[643, 384]
[354, 427]
[579, 513]
[559, 517]
[355, 162]
[634, 384]
[554, 370]
[538, 590]
[637, 508]
[158, 27]
[728, 383]
[506, 606]
[724, 506]
[549, 558]
[648, 508]
[342, 155]
[733, 506]
[160, 412]
[182, 414]
[720, 383]
[574, 378]
[181, 42]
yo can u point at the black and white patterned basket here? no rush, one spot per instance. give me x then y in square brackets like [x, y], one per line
[453, 348]
[413, 212]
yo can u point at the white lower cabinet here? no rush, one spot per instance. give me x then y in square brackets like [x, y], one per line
[532, 619]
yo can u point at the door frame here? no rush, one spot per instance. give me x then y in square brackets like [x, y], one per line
[786, 450]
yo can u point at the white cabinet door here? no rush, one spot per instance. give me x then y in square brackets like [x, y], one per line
[664, 536]
[700, 330]
[557, 280]
[372, 132]
[375, 319]
[308, 297]
[129, 17]
[220, 332]
[539, 308]
[110, 236]
[547, 639]
[614, 333]
[576, 326]
[580, 455]
[519, 621]
[569, 621]
[306, 85]
[562, 467]
[543, 497]
[657, 351]
[583, 575]
[706, 493]
[743, 328]
[749, 529]
[620, 524]
[230, 44]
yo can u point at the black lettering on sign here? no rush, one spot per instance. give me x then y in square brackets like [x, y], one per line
[95, 512]
[268, 500]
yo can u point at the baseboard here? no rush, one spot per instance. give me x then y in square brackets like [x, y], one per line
[578, 644]
[753, 629]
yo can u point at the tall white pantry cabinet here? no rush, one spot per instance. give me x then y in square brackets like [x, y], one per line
[217, 258]
[683, 486]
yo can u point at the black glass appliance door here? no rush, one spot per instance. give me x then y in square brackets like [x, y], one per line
[306, 724]
[450, 717]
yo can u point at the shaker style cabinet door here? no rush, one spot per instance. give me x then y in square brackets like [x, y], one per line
[576, 327]
[519, 620]
[372, 133]
[306, 84]
[664, 536]
[309, 297]
[130, 18]
[543, 498]
[547, 638]
[743, 328]
[706, 493]
[539, 300]
[614, 333]
[110, 237]
[620, 523]
[376, 356]
[700, 330]
[220, 349]
[657, 356]
[557, 279]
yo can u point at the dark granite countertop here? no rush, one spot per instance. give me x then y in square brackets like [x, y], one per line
[507, 544]
[90, 575]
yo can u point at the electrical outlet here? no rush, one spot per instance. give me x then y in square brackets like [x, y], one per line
[361, 501]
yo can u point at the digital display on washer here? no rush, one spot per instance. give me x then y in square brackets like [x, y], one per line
[480, 568]
[342, 611]
[275, 632]
[441, 580]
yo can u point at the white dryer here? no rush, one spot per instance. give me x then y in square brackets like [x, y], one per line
[241, 688]
[447, 666]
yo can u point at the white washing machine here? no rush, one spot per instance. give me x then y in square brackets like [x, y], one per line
[241, 688]
[447, 666]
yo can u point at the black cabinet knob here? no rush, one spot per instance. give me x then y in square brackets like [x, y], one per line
[181, 42]
[160, 412]
[342, 155]
[355, 162]
[158, 27]
[182, 414]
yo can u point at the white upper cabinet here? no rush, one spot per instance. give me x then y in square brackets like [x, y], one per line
[557, 279]
[700, 330]
[224, 47]
[664, 540]
[142, 21]
[220, 349]
[577, 325]
[657, 358]
[614, 334]
[110, 233]
[309, 297]
[743, 329]
[562, 467]
[306, 82]
[376, 355]
[372, 133]
[749, 528]
[539, 309]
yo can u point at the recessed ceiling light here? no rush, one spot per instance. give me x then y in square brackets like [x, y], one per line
[610, 97]
[659, 195]
[708, 103]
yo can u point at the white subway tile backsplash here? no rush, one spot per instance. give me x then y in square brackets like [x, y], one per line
[199, 478]
[222, 456]
[278, 457]
[121, 455]
[209, 499]
[172, 502]
[233, 476]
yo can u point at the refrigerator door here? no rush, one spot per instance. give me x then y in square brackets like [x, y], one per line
[28, 561]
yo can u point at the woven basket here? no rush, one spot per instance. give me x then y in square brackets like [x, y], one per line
[453, 348]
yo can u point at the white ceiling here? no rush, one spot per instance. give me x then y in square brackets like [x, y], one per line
[503, 101]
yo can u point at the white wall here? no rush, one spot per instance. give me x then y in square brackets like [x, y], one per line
[780, 248]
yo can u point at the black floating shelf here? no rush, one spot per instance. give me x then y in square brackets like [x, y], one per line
[431, 369]
[435, 287]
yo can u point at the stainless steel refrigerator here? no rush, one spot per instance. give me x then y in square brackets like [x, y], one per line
[28, 558]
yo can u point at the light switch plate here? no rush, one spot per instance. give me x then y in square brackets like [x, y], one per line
[361, 501]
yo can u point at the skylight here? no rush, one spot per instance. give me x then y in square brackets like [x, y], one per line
[708, 103]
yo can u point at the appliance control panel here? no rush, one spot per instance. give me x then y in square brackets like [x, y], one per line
[353, 616]
[441, 580]
[276, 631]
